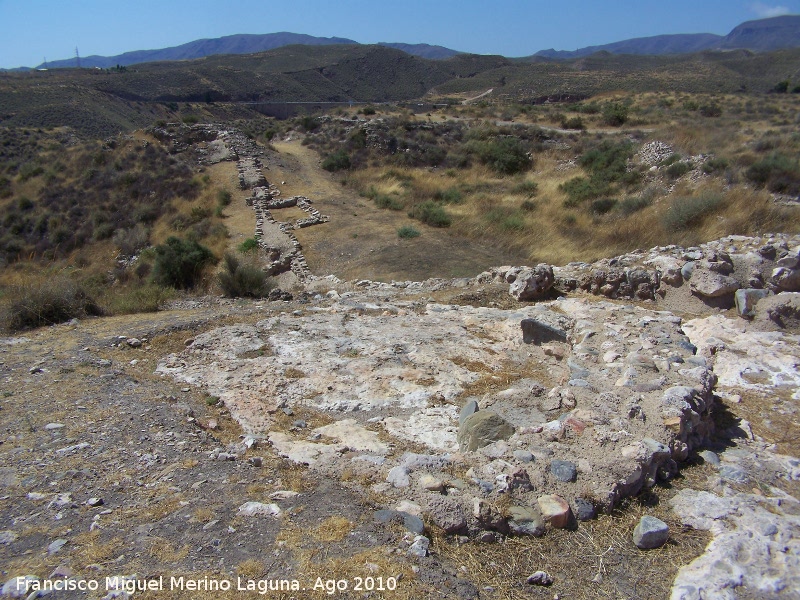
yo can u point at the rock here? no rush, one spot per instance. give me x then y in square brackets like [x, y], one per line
[539, 578]
[709, 457]
[413, 523]
[523, 520]
[532, 283]
[398, 477]
[781, 311]
[481, 429]
[6, 537]
[447, 513]
[709, 284]
[431, 483]
[17, 587]
[523, 456]
[253, 509]
[555, 510]
[56, 546]
[564, 470]
[256, 461]
[469, 409]
[134, 342]
[93, 502]
[54, 426]
[746, 300]
[687, 270]
[536, 332]
[584, 509]
[419, 547]
[650, 533]
[787, 280]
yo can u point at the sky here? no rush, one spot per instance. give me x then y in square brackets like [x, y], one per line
[32, 30]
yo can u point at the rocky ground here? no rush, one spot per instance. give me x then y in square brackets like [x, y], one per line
[619, 429]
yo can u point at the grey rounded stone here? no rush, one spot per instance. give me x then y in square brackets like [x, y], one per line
[523, 520]
[709, 457]
[687, 270]
[584, 510]
[564, 470]
[523, 456]
[469, 409]
[413, 523]
[650, 533]
[481, 429]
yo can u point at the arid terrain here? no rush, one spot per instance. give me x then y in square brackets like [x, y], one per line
[493, 349]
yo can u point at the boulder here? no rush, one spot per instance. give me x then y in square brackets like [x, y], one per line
[650, 533]
[746, 300]
[481, 429]
[709, 284]
[536, 332]
[532, 283]
[555, 510]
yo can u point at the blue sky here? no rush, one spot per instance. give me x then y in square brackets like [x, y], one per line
[31, 30]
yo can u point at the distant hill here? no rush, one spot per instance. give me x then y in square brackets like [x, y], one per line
[236, 44]
[681, 43]
[763, 35]
[229, 44]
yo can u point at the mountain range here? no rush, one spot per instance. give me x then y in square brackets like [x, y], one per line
[761, 35]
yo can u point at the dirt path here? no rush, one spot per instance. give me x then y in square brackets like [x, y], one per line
[361, 241]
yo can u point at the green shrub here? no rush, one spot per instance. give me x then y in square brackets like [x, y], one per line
[573, 123]
[615, 114]
[711, 110]
[634, 204]
[431, 213]
[670, 160]
[528, 205]
[580, 189]
[179, 263]
[449, 196]
[336, 161]
[56, 300]
[249, 245]
[778, 172]
[506, 155]
[712, 165]
[224, 197]
[29, 170]
[368, 110]
[243, 280]
[687, 212]
[608, 161]
[678, 169]
[407, 232]
[191, 119]
[386, 201]
[603, 205]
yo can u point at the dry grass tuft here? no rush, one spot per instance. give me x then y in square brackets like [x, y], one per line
[333, 529]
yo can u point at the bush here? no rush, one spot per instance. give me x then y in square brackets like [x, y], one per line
[778, 172]
[336, 161]
[386, 201]
[603, 205]
[130, 241]
[249, 245]
[407, 232]
[678, 169]
[137, 299]
[580, 189]
[713, 165]
[615, 114]
[573, 123]
[634, 204]
[179, 263]
[56, 300]
[224, 198]
[449, 196]
[506, 155]
[243, 280]
[368, 110]
[711, 110]
[528, 205]
[608, 161]
[687, 212]
[430, 213]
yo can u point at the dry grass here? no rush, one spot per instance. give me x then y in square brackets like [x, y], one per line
[597, 561]
[333, 529]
